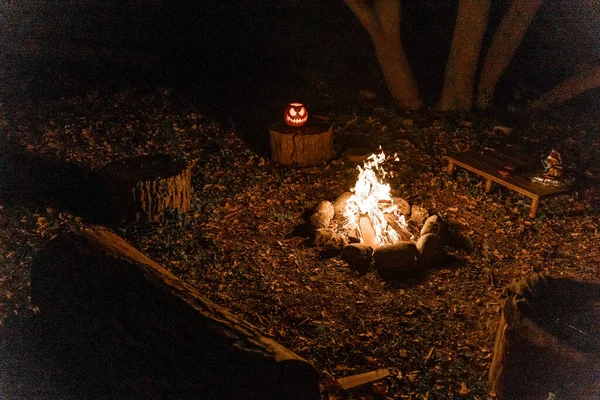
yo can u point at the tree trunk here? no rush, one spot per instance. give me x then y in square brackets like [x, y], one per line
[459, 81]
[570, 88]
[396, 71]
[143, 188]
[95, 283]
[506, 40]
[382, 22]
[311, 144]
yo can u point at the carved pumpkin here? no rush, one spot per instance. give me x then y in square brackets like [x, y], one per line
[295, 115]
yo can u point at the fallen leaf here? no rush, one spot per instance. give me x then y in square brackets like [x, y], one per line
[428, 356]
[464, 390]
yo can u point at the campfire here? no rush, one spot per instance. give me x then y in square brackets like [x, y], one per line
[369, 225]
[370, 210]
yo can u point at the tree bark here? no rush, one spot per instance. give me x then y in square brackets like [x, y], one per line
[94, 279]
[396, 71]
[143, 188]
[505, 42]
[382, 21]
[311, 144]
[570, 88]
[457, 93]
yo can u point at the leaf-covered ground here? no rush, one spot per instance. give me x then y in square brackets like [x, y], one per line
[240, 244]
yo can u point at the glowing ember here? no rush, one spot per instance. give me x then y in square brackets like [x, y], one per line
[371, 210]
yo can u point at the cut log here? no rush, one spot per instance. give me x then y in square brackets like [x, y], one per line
[369, 237]
[547, 338]
[311, 144]
[143, 188]
[93, 278]
[350, 382]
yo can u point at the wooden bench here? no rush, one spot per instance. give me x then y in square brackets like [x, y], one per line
[488, 163]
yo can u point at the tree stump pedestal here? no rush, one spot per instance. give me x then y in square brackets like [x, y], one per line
[143, 188]
[311, 144]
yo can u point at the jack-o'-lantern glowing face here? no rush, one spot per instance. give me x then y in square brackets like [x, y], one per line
[295, 115]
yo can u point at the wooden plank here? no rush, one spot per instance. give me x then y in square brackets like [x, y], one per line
[350, 382]
[499, 159]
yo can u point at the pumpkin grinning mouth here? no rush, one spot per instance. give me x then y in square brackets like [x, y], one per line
[295, 115]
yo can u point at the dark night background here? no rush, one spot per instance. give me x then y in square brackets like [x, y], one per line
[267, 52]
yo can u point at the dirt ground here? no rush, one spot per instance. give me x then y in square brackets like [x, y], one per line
[242, 247]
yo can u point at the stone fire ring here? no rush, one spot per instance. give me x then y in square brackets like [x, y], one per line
[392, 261]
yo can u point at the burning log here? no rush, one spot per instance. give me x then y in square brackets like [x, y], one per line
[93, 281]
[368, 208]
[374, 221]
[403, 234]
[143, 188]
[367, 232]
[404, 207]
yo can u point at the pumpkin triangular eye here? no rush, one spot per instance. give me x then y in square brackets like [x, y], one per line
[302, 111]
[293, 112]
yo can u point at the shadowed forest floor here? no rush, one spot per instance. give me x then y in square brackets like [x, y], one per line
[241, 245]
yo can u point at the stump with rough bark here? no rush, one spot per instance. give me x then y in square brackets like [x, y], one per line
[155, 329]
[143, 188]
[548, 340]
[311, 144]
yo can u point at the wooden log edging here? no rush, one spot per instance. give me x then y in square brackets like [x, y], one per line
[92, 273]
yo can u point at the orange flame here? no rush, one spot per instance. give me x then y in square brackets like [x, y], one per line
[371, 199]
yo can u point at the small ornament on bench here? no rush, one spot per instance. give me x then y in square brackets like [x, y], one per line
[507, 170]
[553, 171]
